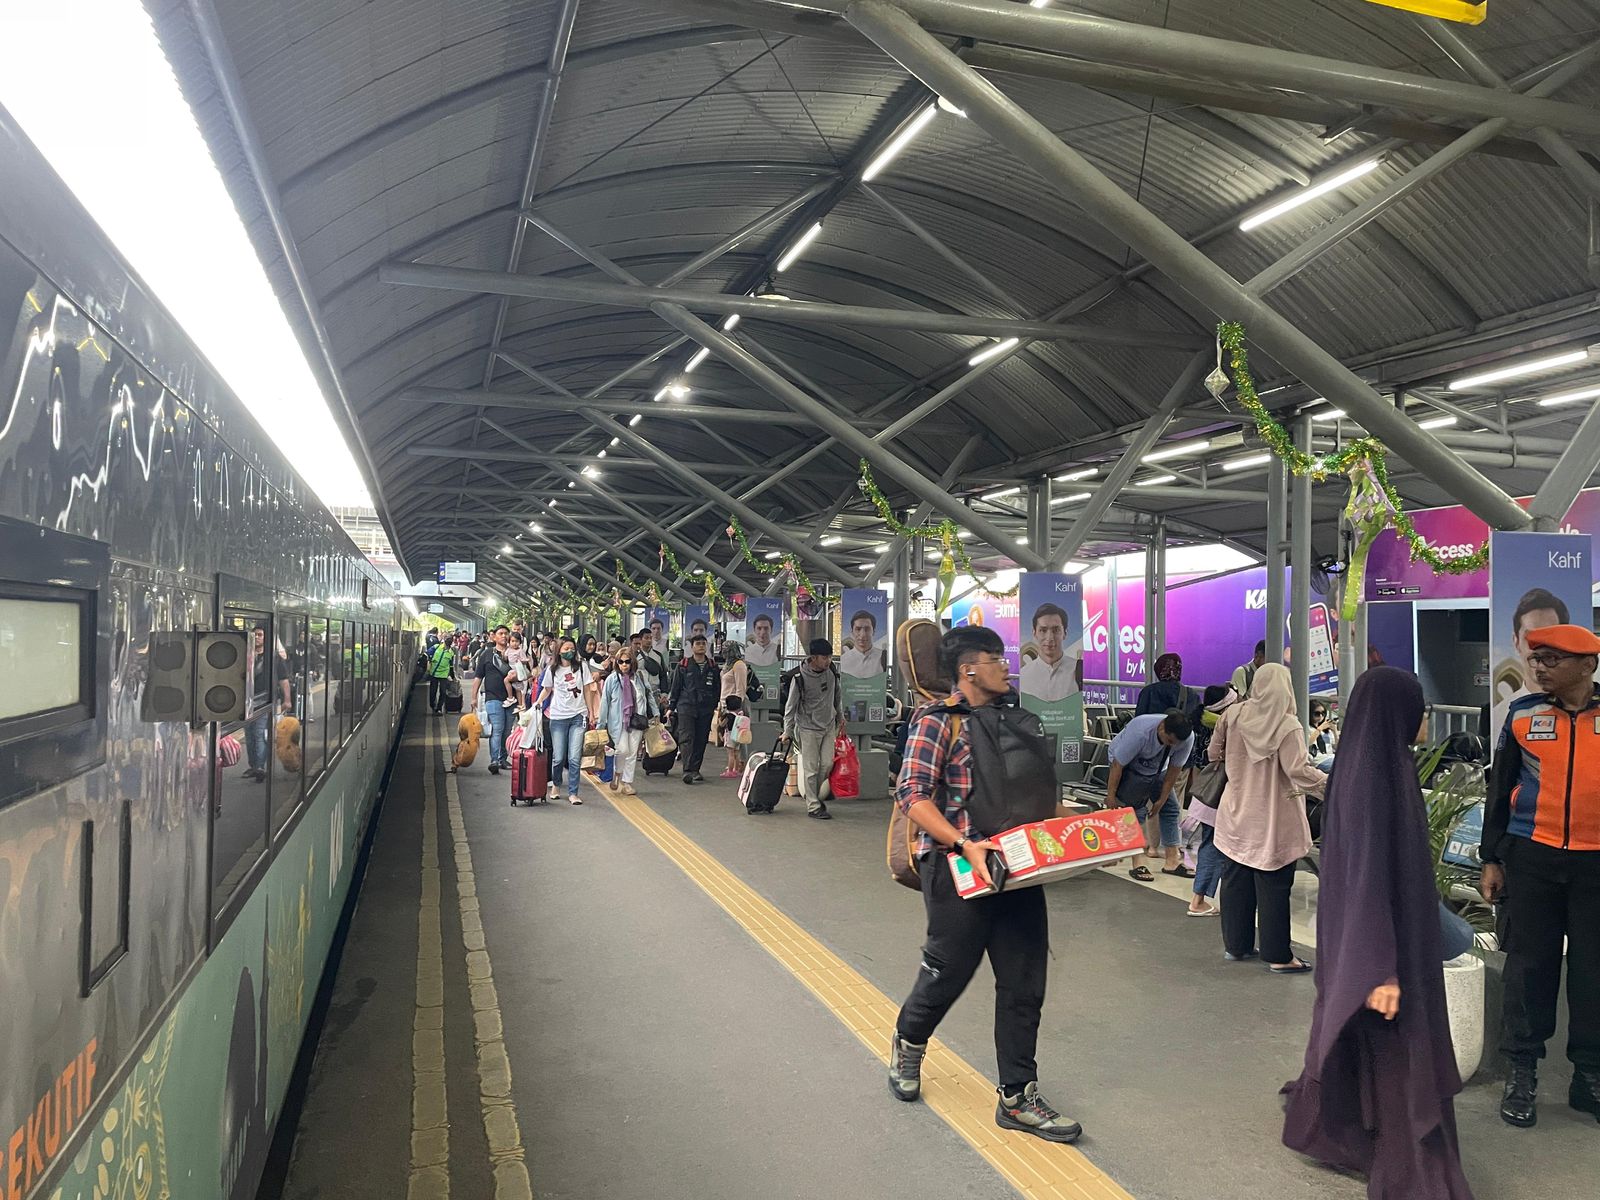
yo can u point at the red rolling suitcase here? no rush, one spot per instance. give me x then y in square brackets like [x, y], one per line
[530, 776]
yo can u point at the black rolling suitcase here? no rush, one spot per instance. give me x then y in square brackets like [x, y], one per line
[660, 764]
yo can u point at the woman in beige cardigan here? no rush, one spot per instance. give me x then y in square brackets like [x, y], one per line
[1262, 829]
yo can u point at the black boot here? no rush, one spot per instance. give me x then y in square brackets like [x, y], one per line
[1519, 1105]
[1585, 1092]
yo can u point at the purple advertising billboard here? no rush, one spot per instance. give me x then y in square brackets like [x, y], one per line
[1455, 533]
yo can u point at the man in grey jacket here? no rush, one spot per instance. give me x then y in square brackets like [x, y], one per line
[815, 711]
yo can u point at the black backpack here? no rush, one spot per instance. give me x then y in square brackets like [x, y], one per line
[754, 690]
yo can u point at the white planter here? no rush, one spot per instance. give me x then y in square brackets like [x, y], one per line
[1463, 996]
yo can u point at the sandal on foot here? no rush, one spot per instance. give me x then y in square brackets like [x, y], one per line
[1142, 874]
[1295, 968]
[1180, 872]
[1209, 910]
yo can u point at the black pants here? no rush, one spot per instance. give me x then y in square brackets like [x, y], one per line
[694, 730]
[1014, 928]
[1551, 894]
[436, 686]
[1249, 896]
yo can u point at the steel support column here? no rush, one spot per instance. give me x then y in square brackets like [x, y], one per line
[902, 594]
[845, 433]
[1155, 609]
[788, 312]
[1277, 551]
[1300, 579]
[1122, 470]
[1039, 495]
[1195, 55]
[1372, 207]
[1104, 201]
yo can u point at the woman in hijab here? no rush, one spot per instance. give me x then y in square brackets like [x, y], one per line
[1380, 1069]
[1261, 827]
[1168, 691]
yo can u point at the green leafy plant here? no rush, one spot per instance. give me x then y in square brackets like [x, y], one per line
[1450, 796]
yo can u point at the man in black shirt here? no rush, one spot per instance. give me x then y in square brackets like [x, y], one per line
[491, 669]
[696, 690]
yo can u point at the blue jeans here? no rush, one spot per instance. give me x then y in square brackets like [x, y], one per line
[499, 725]
[255, 739]
[1207, 864]
[1139, 792]
[566, 749]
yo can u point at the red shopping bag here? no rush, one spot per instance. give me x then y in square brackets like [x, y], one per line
[844, 780]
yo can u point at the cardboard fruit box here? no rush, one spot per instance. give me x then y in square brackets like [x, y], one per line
[1046, 851]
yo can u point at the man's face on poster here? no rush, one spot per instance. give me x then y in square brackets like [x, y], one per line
[762, 631]
[861, 631]
[1538, 618]
[1048, 634]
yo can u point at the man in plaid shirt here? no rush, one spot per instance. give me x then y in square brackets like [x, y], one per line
[934, 789]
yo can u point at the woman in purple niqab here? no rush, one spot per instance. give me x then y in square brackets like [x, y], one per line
[1380, 1068]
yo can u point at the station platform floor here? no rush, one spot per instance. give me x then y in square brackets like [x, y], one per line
[663, 997]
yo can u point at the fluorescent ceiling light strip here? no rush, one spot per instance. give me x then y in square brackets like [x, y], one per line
[1244, 464]
[1308, 194]
[1010, 491]
[831, 541]
[799, 248]
[1072, 476]
[1534, 367]
[730, 322]
[1569, 397]
[1436, 423]
[635, 419]
[983, 356]
[699, 357]
[1179, 451]
[1154, 480]
[1328, 414]
[772, 554]
[1075, 498]
[896, 144]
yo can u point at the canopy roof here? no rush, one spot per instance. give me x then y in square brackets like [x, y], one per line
[544, 137]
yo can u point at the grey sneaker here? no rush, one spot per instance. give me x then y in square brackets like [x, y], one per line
[1029, 1113]
[905, 1068]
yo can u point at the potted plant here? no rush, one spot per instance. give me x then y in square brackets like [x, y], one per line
[1451, 794]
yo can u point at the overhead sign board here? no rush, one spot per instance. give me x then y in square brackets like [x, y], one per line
[458, 572]
[436, 608]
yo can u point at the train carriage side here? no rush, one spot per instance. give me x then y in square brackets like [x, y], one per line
[171, 889]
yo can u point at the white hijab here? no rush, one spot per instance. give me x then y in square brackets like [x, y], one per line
[1267, 717]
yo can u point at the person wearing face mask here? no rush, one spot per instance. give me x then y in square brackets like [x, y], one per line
[627, 706]
[562, 690]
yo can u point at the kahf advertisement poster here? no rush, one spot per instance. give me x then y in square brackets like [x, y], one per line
[659, 622]
[1050, 649]
[763, 638]
[864, 659]
[1535, 580]
[696, 620]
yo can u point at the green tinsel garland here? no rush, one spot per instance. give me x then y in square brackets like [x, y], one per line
[1319, 466]
[944, 530]
[770, 569]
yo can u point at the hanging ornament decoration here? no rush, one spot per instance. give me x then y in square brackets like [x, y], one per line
[1374, 504]
[1217, 382]
[944, 531]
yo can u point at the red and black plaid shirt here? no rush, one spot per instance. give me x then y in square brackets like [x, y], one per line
[937, 767]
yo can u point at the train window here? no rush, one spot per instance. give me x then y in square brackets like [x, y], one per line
[245, 755]
[352, 688]
[339, 684]
[314, 735]
[287, 759]
[42, 640]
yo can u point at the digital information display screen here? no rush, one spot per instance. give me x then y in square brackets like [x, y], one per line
[458, 572]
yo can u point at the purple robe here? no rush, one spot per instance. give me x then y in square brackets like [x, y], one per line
[1375, 1095]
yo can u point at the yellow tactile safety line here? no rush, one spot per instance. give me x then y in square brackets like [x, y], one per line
[951, 1087]
[429, 1178]
[500, 1124]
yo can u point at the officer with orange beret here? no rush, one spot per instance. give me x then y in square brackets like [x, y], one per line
[1541, 857]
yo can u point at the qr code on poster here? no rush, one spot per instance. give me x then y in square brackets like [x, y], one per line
[1071, 752]
[875, 712]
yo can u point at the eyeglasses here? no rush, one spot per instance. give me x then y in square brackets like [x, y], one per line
[1552, 659]
[988, 662]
